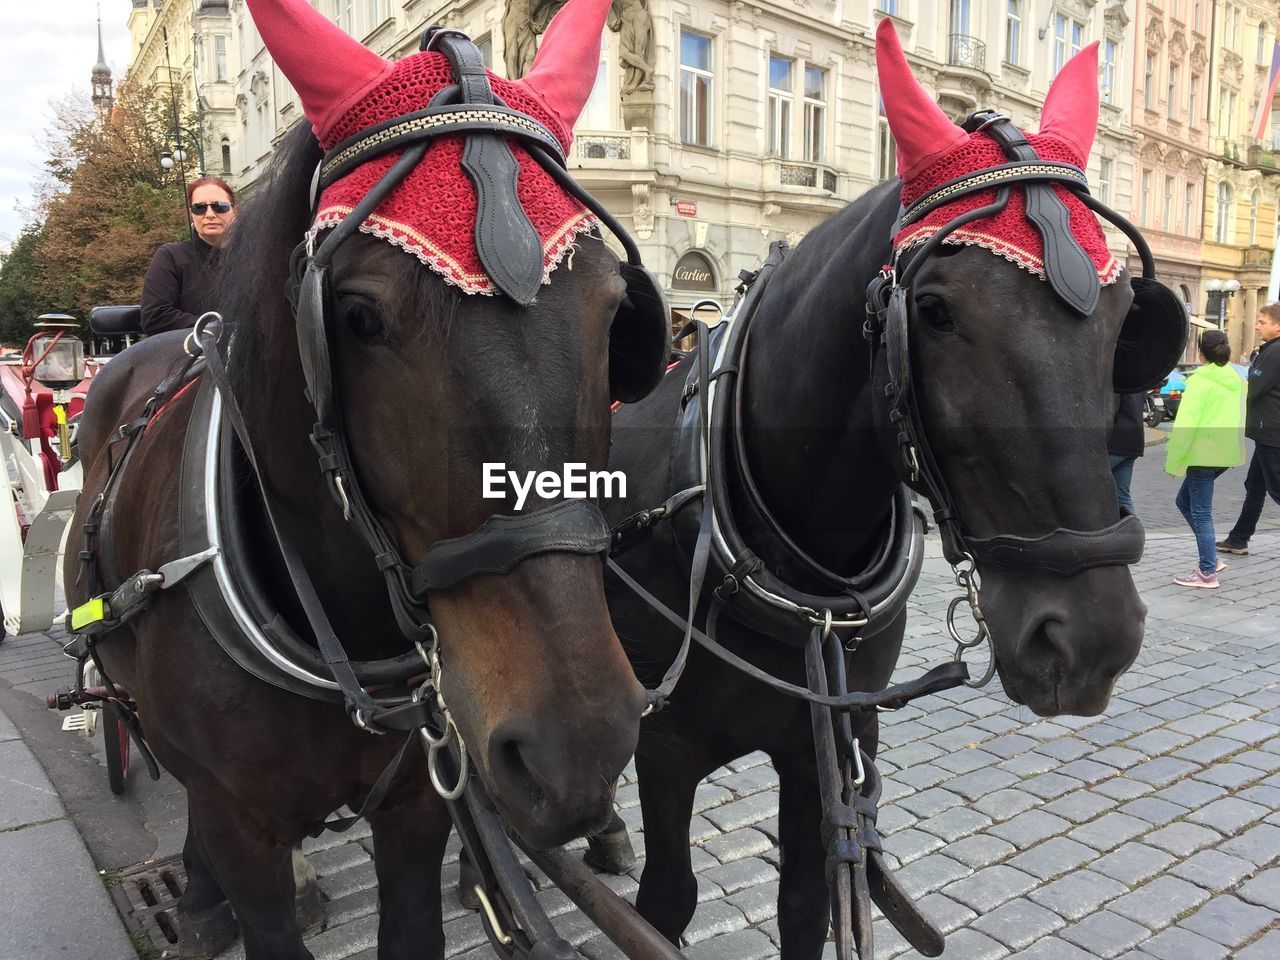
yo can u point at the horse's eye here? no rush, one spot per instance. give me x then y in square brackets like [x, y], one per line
[362, 317]
[934, 312]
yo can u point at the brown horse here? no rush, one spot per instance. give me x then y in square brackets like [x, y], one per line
[431, 384]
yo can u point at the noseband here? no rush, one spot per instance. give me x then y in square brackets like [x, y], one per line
[1071, 276]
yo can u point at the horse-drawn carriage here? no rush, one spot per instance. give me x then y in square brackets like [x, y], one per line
[329, 621]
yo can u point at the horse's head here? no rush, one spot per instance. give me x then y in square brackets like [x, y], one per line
[1021, 327]
[443, 386]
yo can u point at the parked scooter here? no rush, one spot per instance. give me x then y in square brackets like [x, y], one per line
[1153, 409]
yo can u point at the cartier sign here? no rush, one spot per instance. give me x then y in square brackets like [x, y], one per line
[693, 272]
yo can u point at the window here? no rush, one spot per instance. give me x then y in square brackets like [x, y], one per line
[1195, 16]
[1172, 100]
[889, 6]
[695, 89]
[376, 12]
[1110, 52]
[1106, 168]
[1254, 199]
[1146, 197]
[960, 17]
[226, 156]
[485, 46]
[342, 14]
[815, 114]
[263, 111]
[1149, 83]
[1189, 210]
[886, 149]
[1222, 228]
[1262, 44]
[1013, 31]
[781, 94]
[598, 113]
[1193, 101]
[1068, 38]
[1166, 209]
[220, 58]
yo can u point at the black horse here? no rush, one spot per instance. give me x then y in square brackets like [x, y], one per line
[428, 385]
[811, 469]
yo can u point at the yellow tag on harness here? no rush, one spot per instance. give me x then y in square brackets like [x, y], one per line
[95, 611]
[59, 413]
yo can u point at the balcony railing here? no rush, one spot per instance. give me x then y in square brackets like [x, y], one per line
[811, 175]
[1261, 155]
[966, 51]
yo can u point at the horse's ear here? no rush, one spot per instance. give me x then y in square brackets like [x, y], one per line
[1071, 108]
[920, 128]
[307, 46]
[564, 69]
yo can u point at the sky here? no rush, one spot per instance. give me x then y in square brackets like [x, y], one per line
[47, 50]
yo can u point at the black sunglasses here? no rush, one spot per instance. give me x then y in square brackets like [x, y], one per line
[219, 206]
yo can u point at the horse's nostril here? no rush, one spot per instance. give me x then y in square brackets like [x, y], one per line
[1049, 640]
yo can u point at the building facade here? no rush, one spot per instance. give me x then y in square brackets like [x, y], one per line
[1242, 179]
[187, 47]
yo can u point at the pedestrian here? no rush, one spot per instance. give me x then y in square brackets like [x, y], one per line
[179, 282]
[1262, 426]
[1207, 438]
[1126, 444]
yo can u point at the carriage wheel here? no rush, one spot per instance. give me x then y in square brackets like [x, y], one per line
[115, 736]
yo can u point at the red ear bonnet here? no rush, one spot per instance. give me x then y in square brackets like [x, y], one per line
[933, 150]
[346, 88]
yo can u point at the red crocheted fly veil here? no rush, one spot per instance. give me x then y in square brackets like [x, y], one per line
[933, 150]
[345, 88]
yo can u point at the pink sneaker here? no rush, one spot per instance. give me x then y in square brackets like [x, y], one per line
[1197, 579]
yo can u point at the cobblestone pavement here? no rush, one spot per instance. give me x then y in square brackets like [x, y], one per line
[1150, 832]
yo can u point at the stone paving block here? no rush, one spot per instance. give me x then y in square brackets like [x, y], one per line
[967, 760]
[1028, 765]
[1055, 856]
[954, 823]
[923, 776]
[743, 783]
[909, 845]
[1229, 920]
[758, 903]
[337, 859]
[1157, 742]
[345, 940]
[1208, 749]
[930, 873]
[1162, 771]
[930, 802]
[26, 795]
[1048, 786]
[1263, 761]
[1229, 815]
[707, 795]
[1000, 724]
[1260, 844]
[1160, 902]
[946, 914]
[1122, 788]
[894, 818]
[359, 877]
[1178, 943]
[735, 876]
[1199, 725]
[1018, 924]
[1076, 895]
[1122, 758]
[1027, 829]
[980, 783]
[1262, 793]
[713, 919]
[1105, 934]
[980, 851]
[1214, 870]
[738, 945]
[1229, 775]
[1079, 806]
[707, 889]
[911, 754]
[1264, 948]
[1191, 793]
[1009, 745]
[1067, 749]
[1182, 838]
[1153, 809]
[1104, 734]
[736, 844]
[360, 904]
[972, 945]
[1053, 949]
[990, 887]
[1264, 890]
[1252, 731]
[1109, 831]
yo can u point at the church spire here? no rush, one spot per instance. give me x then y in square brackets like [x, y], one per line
[100, 79]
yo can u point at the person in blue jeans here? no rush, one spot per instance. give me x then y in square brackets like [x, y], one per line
[1126, 444]
[1207, 438]
[1262, 426]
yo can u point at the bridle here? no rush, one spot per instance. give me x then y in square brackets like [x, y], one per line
[1073, 279]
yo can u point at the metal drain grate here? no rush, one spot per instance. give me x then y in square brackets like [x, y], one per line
[147, 898]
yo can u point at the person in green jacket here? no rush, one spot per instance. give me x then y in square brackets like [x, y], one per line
[1207, 437]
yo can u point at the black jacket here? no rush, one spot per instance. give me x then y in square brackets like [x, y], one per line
[179, 285]
[1128, 437]
[1262, 415]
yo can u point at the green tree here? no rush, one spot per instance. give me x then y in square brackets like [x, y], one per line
[20, 304]
[107, 202]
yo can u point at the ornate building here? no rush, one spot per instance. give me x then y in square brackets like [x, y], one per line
[1171, 74]
[187, 45]
[100, 80]
[1242, 177]
[716, 127]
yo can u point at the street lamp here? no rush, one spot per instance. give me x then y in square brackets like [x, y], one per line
[1225, 289]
